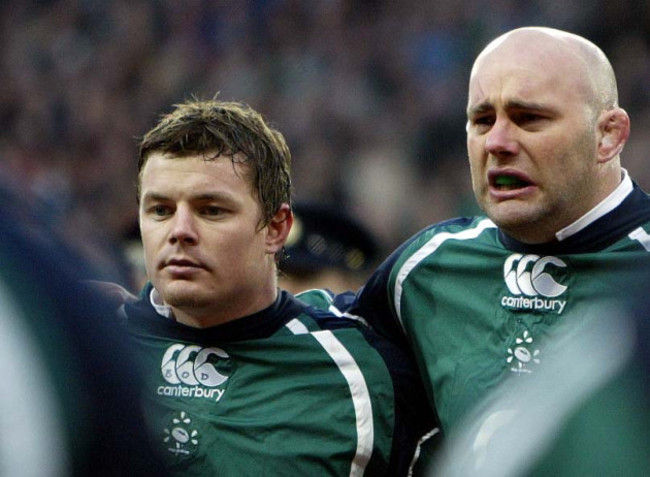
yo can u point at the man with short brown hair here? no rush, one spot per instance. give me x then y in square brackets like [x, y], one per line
[244, 378]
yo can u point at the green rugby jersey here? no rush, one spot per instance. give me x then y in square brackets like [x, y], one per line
[476, 305]
[290, 390]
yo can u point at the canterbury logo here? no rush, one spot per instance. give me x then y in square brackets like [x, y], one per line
[191, 365]
[521, 279]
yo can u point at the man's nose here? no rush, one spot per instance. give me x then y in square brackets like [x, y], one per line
[502, 139]
[183, 227]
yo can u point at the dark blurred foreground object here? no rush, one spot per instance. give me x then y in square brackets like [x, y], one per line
[327, 248]
[70, 394]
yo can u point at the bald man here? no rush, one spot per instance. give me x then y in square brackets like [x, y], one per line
[544, 131]
[565, 229]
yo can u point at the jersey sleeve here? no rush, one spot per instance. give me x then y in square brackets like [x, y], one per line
[374, 302]
[416, 431]
[399, 400]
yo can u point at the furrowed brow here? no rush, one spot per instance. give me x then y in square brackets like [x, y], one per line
[484, 107]
[528, 106]
[479, 109]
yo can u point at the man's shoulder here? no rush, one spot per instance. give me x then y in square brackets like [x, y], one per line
[327, 310]
[460, 228]
[382, 369]
[326, 299]
[458, 225]
[464, 231]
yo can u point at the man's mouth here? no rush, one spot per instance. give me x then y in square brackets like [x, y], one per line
[177, 265]
[508, 182]
[182, 263]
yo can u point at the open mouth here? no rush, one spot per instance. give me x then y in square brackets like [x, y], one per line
[508, 182]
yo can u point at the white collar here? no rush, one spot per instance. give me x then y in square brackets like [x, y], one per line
[608, 204]
[158, 304]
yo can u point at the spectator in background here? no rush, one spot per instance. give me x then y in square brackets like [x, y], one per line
[326, 248]
[371, 87]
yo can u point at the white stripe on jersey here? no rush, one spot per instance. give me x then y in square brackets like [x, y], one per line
[297, 327]
[358, 389]
[642, 237]
[427, 249]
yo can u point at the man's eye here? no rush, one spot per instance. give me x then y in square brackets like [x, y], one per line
[211, 210]
[524, 118]
[483, 121]
[160, 210]
[481, 124]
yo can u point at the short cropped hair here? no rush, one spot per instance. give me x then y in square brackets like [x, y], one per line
[232, 129]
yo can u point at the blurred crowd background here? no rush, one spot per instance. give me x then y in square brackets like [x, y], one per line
[370, 95]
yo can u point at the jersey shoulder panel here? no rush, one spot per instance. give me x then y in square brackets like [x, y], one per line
[428, 240]
[317, 297]
[639, 236]
[389, 373]
[478, 231]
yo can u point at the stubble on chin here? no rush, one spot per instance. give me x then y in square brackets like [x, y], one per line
[528, 223]
[184, 299]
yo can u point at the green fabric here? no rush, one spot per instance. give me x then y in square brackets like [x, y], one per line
[284, 409]
[586, 412]
[607, 435]
[466, 327]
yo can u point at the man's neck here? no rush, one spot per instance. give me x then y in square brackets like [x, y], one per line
[206, 317]
[541, 234]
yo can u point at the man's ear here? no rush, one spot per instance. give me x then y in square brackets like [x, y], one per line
[614, 129]
[278, 229]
